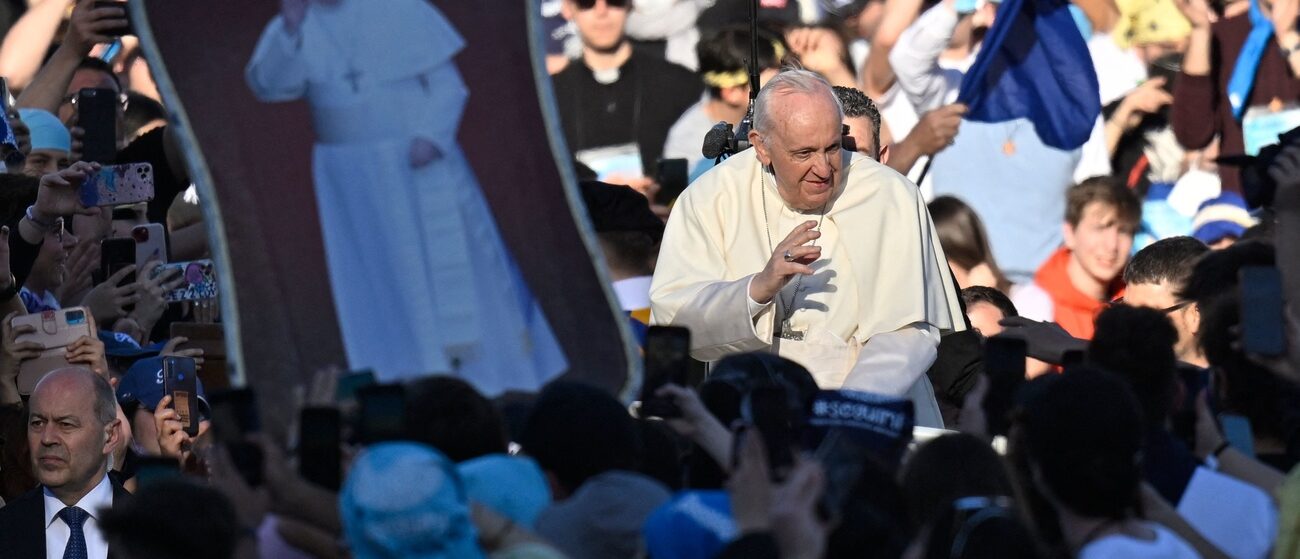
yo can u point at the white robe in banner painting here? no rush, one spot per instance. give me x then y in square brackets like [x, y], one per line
[870, 316]
[422, 281]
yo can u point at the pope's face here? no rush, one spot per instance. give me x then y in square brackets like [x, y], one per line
[803, 148]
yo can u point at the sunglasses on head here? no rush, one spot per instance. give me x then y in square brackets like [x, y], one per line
[589, 4]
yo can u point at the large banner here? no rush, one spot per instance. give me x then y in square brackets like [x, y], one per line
[254, 163]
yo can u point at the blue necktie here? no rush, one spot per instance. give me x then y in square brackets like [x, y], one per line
[74, 517]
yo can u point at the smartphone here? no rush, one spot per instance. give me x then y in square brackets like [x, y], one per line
[97, 117]
[55, 331]
[118, 185]
[115, 254]
[672, 176]
[200, 280]
[180, 381]
[1236, 430]
[346, 389]
[1262, 331]
[767, 409]
[319, 440]
[667, 360]
[1004, 363]
[150, 469]
[234, 416]
[150, 244]
[126, 14]
[383, 413]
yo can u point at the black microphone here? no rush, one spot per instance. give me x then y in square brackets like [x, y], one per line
[718, 141]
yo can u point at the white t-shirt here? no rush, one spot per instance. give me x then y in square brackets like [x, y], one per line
[1166, 545]
[1236, 517]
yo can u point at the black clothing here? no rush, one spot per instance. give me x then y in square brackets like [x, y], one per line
[639, 107]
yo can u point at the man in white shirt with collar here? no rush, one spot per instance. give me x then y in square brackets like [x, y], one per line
[72, 431]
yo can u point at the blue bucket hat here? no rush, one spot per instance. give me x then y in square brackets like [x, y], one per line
[406, 500]
[513, 486]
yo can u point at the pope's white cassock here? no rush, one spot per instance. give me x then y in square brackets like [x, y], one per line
[869, 318]
[422, 281]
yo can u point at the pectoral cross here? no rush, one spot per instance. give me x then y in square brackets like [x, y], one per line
[789, 333]
[353, 76]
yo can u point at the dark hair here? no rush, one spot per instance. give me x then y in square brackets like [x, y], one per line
[1104, 190]
[1216, 272]
[631, 252]
[1272, 403]
[664, 451]
[950, 467]
[141, 110]
[172, 518]
[91, 63]
[983, 294]
[577, 431]
[990, 532]
[735, 375]
[450, 415]
[857, 104]
[874, 517]
[1165, 261]
[963, 237]
[1083, 430]
[726, 53]
[1138, 344]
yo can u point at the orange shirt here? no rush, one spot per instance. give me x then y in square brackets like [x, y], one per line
[1072, 309]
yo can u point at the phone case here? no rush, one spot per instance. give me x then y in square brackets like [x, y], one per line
[150, 244]
[55, 330]
[118, 185]
[200, 280]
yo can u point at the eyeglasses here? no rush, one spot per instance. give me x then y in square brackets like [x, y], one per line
[589, 4]
[122, 99]
[1166, 310]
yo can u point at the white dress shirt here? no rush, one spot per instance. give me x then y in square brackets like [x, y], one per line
[57, 532]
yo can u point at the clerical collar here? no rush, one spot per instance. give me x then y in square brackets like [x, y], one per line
[607, 76]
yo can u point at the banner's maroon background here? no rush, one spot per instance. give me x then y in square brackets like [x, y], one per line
[259, 156]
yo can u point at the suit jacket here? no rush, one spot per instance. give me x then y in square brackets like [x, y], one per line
[22, 524]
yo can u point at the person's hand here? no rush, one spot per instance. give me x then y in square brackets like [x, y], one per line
[108, 301]
[1283, 14]
[59, 193]
[173, 441]
[795, 525]
[251, 504]
[819, 50]
[936, 129]
[293, 12]
[82, 261]
[22, 133]
[89, 26]
[89, 351]
[749, 486]
[1146, 99]
[16, 352]
[169, 350]
[1197, 12]
[1208, 436]
[779, 270]
[424, 152]
[694, 414]
[152, 292]
[1046, 341]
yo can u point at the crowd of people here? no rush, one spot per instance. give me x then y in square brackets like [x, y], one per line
[925, 335]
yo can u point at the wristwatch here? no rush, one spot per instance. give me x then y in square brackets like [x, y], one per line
[1212, 459]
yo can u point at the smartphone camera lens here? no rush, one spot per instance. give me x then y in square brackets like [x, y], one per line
[140, 234]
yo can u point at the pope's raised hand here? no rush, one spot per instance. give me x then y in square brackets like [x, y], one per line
[790, 258]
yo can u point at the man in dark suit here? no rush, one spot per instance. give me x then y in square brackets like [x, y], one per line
[72, 420]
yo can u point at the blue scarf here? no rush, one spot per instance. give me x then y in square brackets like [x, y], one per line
[1243, 74]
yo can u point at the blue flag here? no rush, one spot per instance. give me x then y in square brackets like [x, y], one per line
[1035, 64]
